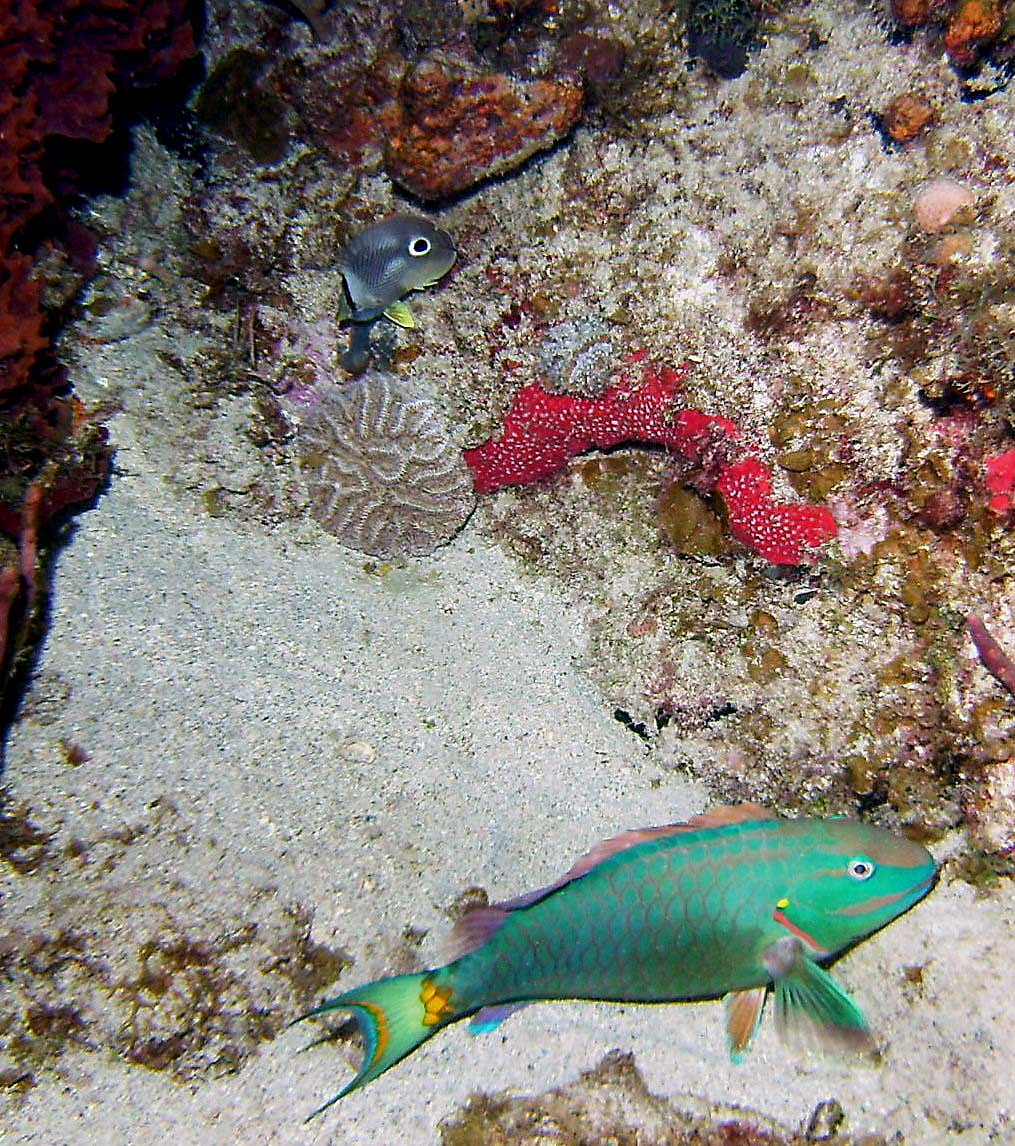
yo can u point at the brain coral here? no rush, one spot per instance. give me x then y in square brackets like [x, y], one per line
[382, 471]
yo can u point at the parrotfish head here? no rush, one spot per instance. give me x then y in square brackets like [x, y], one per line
[849, 880]
[387, 260]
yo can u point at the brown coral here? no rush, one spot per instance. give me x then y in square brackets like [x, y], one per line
[114, 944]
[974, 23]
[456, 126]
[911, 13]
[907, 115]
[382, 472]
[612, 1104]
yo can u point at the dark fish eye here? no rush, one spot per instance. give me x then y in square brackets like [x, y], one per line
[860, 868]
[420, 246]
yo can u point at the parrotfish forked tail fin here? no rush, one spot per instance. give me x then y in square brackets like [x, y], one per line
[394, 1016]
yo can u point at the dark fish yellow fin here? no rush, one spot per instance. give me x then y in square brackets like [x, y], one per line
[401, 315]
[743, 1017]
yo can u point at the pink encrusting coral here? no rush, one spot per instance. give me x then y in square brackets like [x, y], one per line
[1001, 481]
[543, 431]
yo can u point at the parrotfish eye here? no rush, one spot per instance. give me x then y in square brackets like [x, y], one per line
[420, 246]
[860, 868]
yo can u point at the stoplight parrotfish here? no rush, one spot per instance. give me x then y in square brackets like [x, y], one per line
[380, 266]
[735, 903]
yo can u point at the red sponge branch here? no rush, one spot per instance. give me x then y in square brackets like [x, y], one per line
[543, 431]
[785, 533]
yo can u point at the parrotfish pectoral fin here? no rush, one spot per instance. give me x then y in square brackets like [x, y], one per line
[743, 1017]
[394, 1016]
[490, 1018]
[808, 1001]
[400, 315]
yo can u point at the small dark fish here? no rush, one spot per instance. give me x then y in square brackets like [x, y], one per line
[381, 265]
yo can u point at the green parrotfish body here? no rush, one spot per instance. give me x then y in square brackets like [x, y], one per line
[380, 266]
[734, 903]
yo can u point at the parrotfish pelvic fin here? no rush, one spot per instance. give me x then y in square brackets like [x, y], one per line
[743, 1017]
[808, 1001]
[490, 1018]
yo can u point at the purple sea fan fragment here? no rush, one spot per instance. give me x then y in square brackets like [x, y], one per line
[382, 471]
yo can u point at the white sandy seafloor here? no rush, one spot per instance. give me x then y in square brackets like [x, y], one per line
[270, 719]
[374, 746]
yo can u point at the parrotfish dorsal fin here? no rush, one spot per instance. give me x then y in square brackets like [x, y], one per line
[474, 929]
[481, 924]
[726, 814]
[714, 818]
[477, 926]
[606, 848]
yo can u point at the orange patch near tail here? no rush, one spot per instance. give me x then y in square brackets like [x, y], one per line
[383, 1030]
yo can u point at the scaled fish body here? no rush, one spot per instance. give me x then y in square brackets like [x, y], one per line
[736, 902]
[381, 265]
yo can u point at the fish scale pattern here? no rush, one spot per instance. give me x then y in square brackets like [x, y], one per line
[382, 472]
[651, 926]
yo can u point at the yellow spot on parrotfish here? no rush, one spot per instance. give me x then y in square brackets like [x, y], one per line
[782, 904]
[436, 1003]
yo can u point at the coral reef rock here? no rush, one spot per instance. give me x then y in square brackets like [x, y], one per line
[382, 471]
[457, 127]
[65, 72]
[578, 357]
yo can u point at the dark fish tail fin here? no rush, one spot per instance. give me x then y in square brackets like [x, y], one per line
[395, 1016]
[357, 358]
